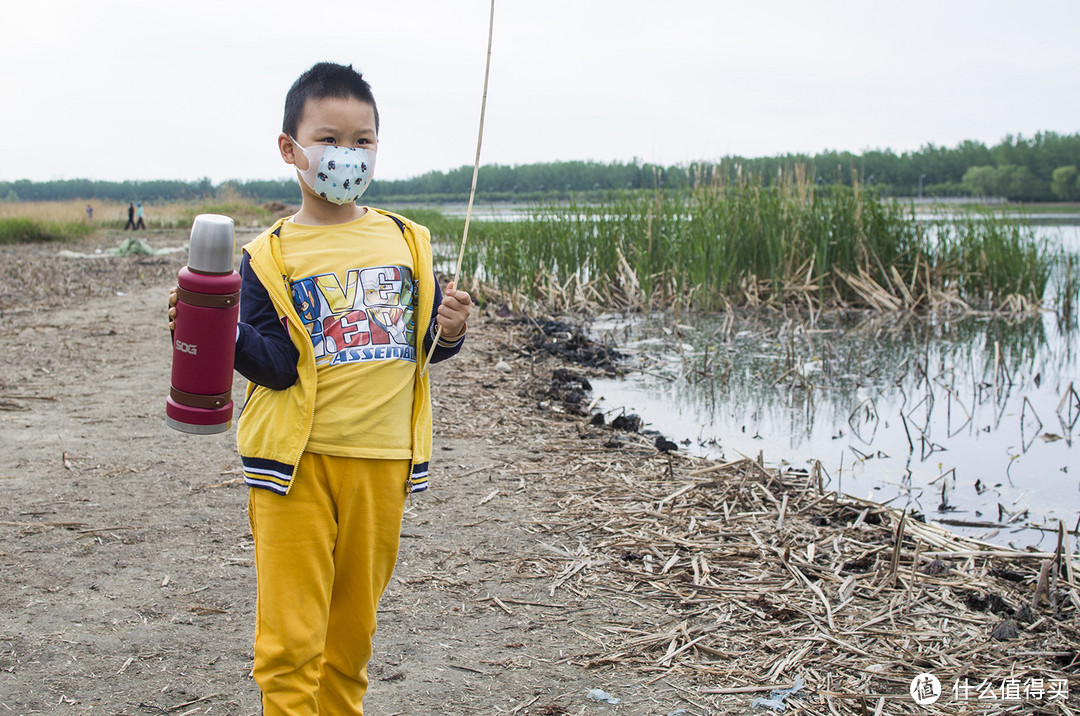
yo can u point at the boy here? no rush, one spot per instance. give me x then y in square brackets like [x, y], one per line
[338, 311]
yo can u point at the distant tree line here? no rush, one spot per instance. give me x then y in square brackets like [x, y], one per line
[71, 189]
[1045, 167]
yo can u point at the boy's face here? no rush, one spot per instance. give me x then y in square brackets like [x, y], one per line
[340, 121]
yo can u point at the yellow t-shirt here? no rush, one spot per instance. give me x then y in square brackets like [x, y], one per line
[352, 285]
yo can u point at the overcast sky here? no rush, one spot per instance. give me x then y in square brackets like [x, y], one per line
[115, 89]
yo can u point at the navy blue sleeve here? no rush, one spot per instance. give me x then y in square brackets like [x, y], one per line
[265, 354]
[444, 349]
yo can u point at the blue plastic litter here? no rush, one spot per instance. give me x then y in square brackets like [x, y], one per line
[775, 702]
[601, 695]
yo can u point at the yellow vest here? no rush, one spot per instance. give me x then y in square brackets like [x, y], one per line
[274, 425]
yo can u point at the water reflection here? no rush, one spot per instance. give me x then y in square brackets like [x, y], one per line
[971, 422]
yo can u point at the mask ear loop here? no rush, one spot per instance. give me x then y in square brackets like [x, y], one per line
[303, 150]
[472, 190]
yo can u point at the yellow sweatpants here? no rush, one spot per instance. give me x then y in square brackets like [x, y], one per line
[324, 554]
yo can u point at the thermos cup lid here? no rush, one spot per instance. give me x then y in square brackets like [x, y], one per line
[211, 249]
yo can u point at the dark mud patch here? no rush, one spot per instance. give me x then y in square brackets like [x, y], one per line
[571, 344]
[568, 390]
[565, 389]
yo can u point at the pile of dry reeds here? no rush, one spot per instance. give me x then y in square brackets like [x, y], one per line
[746, 579]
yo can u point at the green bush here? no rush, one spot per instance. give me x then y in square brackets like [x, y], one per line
[19, 230]
[1066, 183]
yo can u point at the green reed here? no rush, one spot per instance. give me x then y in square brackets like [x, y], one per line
[992, 258]
[744, 243]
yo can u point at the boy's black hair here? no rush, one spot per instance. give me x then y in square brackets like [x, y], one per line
[325, 79]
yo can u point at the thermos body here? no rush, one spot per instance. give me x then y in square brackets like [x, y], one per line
[203, 343]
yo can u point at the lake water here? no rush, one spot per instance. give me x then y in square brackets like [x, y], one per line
[968, 421]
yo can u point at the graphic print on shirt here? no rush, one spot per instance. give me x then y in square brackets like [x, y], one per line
[370, 318]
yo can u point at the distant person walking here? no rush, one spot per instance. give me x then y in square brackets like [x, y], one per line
[89, 212]
[139, 223]
[131, 218]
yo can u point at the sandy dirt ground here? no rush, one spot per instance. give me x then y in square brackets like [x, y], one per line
[127, 578]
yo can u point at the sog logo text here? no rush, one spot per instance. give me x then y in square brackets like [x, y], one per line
[189, 348]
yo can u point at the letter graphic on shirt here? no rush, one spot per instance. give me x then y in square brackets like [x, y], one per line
[373, 308]
[349, 330]
[339, 299]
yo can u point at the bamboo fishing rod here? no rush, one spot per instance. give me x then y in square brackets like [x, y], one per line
[472, 189]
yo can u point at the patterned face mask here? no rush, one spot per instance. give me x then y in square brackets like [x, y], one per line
[337, 174]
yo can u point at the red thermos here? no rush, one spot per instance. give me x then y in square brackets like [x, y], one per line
[207, 309]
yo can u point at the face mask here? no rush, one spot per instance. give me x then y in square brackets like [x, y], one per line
[337, 174]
